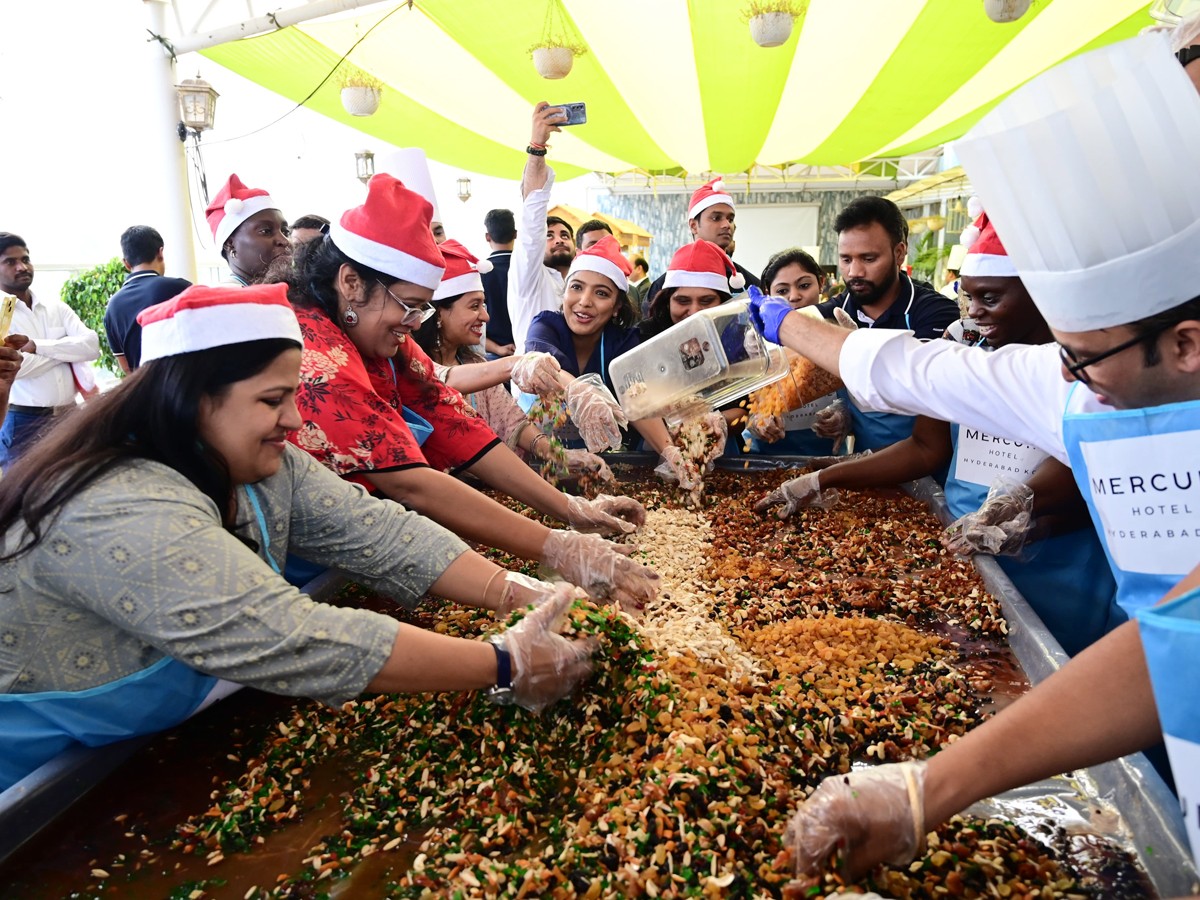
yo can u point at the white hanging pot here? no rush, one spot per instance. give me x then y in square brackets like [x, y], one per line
[553, 62]
[1005, 10]
[771, 29]
[360, 100]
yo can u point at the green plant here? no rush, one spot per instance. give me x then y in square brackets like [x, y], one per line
[87, 293]
[353, 76]
[794, 8]
[928, 256]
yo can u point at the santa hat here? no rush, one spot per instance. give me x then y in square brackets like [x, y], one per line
[708, 195]
[703, 264]
[986, 256]
[605, 258]
[203, 317]
[462, 271]
[390, 233]
[1089, 171]
[232, 206]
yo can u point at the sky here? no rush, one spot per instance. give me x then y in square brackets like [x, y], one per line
[82, 139]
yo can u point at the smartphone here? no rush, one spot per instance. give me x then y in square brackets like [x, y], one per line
[576, 113]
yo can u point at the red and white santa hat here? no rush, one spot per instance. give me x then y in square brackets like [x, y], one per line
[203, 317]
[463, 269]
[708, 195]
[703, 264]
[605, 258]
[233, 205]
[391, 233]
[986, 256]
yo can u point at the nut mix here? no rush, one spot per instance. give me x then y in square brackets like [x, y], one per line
[774, 657]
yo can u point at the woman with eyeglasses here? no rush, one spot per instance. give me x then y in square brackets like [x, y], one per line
[375, 412]
[1037, 525]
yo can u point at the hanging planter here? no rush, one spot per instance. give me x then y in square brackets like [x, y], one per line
[361, 93]
[554, 55]
[1005, 10]
[771, 20]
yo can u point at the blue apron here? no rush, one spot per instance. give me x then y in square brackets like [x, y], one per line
[1170, 636]
[1065, 578]
[1139, 471]
[876, 430]
[34, 728]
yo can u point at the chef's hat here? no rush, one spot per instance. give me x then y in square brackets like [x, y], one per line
[1089, 171]
[410, 166]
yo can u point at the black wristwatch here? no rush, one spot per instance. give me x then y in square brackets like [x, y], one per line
[1188, 55]
[502, 693]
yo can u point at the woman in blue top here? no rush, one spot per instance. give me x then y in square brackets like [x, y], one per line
[797, 277]
[1062, 573]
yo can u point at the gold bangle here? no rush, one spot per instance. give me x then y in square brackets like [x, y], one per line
[487, 587]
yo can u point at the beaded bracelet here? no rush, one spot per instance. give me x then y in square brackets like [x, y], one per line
[535, 151]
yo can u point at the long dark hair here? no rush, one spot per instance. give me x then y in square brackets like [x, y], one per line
[427, 335]
[659, 318]
[153, 414]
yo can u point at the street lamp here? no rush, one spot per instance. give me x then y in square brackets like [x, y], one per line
[197, 107]
[364, 165]
[464, 189]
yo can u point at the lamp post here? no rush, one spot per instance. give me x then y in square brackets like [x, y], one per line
[464, 189]
[197, 110]
[364, 165]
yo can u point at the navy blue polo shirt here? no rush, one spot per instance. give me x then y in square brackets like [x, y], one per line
[141, 290]
[495, 295]
[917, 308]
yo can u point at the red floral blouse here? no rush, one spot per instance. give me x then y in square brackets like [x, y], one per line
[350, 407]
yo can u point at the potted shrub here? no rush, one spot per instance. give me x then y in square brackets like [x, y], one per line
[361, 93]
[771, 20]
[554, 53]
[553, 61]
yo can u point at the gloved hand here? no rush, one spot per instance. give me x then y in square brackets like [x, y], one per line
[824, 462]
[674, 467]
[797, 494]
[581, 462]
[1000, 527]
[766, 428]
[874, 815]
[518, 591]
[833, 423]
[596, 413]
[547, 666]
[536, 373]
[601, 569]
[605, 515]
[768, 313]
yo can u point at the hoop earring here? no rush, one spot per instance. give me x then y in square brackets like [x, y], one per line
[350, 317]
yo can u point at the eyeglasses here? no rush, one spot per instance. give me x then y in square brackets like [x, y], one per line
[413, 315]
[1076, 366]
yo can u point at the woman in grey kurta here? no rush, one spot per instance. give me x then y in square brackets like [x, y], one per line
[143, 540]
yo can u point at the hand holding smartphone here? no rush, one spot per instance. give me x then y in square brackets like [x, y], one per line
[576, 113]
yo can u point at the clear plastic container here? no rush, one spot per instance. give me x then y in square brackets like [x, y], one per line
[700, 364]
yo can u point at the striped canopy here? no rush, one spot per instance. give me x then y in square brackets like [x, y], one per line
[679, 86]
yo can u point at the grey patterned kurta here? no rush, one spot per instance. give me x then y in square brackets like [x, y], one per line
[138, 567]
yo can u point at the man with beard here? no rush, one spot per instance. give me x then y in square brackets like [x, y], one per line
[537, 269]
[872, 249]
[253, 235]
[711, 217]
[45, 384]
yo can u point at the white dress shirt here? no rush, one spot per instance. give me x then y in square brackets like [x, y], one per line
[533, 287]
[45, 377]
[1016, 392]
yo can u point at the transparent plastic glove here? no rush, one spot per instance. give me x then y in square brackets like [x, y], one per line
[536, 373]
[601, 569]
[824, 462]
[767, 313]
[519, 591]
[766, 428]
[844, 319]
[581, 462]
[546, 665]
[673, 467]
[833, 423]
[797, 494]
[1000, 527]
[873, 816]
[605, 515]
[714, 425]
[596, 413]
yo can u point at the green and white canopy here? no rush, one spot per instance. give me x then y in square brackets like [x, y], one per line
[678, 86]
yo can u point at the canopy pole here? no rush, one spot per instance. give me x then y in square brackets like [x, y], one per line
[281, 18]
[167, 178]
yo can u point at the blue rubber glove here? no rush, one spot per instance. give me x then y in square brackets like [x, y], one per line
[767, 314]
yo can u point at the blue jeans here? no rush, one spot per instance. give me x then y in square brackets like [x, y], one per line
[17, 435]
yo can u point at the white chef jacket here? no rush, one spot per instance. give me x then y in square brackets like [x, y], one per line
[45, 377]
[1016, 392]
[533, 287]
